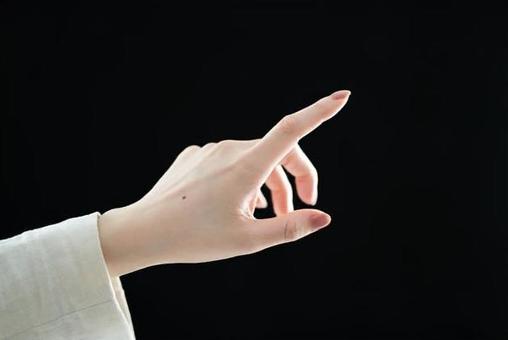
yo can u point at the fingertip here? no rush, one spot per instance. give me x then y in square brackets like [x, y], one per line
[313, 201]
[309, 199]
[342, 94]
[261, 205]
[261, 201]
[320, 220]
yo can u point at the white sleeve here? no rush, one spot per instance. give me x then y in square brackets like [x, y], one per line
[54, 284]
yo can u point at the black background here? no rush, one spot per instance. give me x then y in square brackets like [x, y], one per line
[101, 99]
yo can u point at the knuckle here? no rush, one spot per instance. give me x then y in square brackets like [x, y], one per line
[191, 148]
[322, 106]
[208, 145]
[224, 146]
[313, 173]
[225, 143]
[292, 230]
[289, 124]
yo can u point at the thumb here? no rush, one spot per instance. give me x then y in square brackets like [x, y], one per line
[290, 227]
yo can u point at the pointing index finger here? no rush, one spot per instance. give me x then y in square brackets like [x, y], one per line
[274, 146]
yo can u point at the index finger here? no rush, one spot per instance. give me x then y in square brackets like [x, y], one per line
[276, 144]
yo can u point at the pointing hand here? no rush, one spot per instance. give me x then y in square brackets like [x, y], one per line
[202, 208]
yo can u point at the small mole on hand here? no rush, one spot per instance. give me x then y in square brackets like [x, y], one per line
[184, 197]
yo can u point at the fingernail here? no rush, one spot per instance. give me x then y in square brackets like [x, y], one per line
[340, 94]
[319, 221]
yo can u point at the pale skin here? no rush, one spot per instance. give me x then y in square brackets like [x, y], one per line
[202, 208]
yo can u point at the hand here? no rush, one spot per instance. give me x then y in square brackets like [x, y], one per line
[202, 208]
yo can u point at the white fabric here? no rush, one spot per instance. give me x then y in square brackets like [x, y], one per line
[54, 284]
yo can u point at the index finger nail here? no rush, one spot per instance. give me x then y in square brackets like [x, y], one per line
[340, 94]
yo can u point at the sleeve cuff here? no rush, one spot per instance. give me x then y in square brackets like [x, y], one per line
[61, 286]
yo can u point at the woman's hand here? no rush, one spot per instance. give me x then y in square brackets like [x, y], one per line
[202, 208]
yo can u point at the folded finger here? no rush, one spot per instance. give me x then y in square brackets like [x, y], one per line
[281, 191]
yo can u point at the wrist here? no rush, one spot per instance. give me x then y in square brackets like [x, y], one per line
[121, 242]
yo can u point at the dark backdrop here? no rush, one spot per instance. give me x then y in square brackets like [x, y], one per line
[101, 99]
